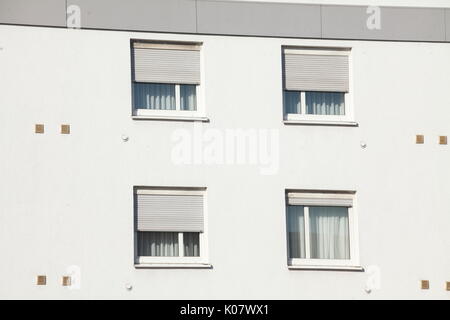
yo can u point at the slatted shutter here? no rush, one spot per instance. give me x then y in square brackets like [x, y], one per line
[320, 199]
[305, 71]
[166, 212]
[166, 63]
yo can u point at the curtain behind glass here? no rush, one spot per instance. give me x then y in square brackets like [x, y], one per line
[191, 242]
[188, 97]
[158, 244]
[292, 102]
[154, 96]
[296, 231]
[329, 233]
[325, 103]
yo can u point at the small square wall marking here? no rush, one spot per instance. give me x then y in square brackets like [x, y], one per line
[39, 128]
[66, 281]
[420, 139]
[448, 285]
[425, 284]
[65, 129]
[442, 139]
[41, 280]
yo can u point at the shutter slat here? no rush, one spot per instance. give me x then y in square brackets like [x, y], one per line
[308, 72]
[323, 199]
[166, 66]
[169, 213]
[321, 202]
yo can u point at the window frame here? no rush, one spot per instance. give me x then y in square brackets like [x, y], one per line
[309, 263]
[183, 115]
[176, 111]
[178, 261]
[302, 117]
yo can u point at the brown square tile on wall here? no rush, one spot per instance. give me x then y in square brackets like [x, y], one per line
[420, 139]
[39, 128]
[65, 129]
[442, 139]
[425, 284]
[41, 280]
[66, 281]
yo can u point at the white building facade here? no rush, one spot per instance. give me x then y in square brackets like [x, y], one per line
[193, 150]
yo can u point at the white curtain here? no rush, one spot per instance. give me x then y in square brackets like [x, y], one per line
[191, 242]
[292, 102]
[296, 231]
[329, 233]
[325, 103]
[158, 244]
[188, 97]
[154, 96]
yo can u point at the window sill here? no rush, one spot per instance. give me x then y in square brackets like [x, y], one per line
[328, 268]
[322, 123]
[171, 118]
[173, 266]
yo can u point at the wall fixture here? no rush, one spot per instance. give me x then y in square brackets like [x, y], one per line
[363, 144]
[129, 287]
[66, 281]
[448, 285]
[425, 284]
[442, 139]
[39, 128]
[125, 138]
[420, 139]
[41, 280]
[65, 129]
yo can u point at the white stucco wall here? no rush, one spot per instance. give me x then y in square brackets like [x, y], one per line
[67, 199]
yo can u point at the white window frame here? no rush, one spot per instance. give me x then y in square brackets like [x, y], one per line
[346, 119]
[195, 115]
[177, 111]
[309, 263]
[181, 258]
[303, 116]
[179, 261]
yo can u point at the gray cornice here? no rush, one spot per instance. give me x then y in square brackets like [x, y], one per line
[236, 18]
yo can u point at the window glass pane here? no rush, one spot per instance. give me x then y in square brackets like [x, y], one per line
[191, 242]
[158, 244]
[325, 103]
[296, 231]
[329, 233]
[188, 97]
[154, 96]
[292, 102]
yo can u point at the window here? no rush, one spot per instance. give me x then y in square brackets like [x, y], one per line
[166, 80]
[170, 226]
[168, 244]
[316, 86]
[321, 229]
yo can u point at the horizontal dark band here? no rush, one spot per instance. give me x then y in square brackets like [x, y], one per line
[239, 18]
